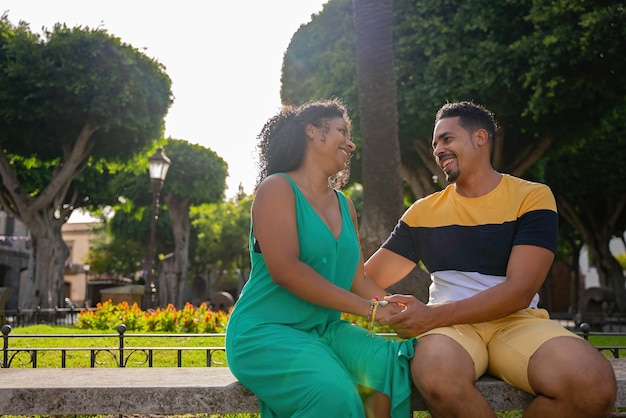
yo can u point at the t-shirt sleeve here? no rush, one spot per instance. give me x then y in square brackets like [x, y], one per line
[538, 227]
[402, 243]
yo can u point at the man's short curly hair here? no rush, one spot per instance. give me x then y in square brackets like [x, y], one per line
[471, 116]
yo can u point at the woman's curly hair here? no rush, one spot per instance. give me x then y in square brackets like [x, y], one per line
[282, 141]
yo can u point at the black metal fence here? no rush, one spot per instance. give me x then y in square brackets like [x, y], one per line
[50, 316]
[119, 354]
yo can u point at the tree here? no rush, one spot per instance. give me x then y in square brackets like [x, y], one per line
[197, 176]
[443, 51]
[588, 181]
[114, 256]
[223, 236]
[382, 181]
[550, 73]
[576, 63]
[122, 252]
[70, 99]
[533, 72]
[324, 50]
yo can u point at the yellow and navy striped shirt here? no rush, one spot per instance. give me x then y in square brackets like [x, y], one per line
[465, 243]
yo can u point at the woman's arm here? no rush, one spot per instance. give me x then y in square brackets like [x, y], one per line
[275, 228]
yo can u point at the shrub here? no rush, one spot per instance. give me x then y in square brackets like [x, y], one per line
[169, 319]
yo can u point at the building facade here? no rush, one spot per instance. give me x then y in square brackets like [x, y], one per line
[15, 248]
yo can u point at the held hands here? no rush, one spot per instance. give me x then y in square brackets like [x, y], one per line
[388, 310]
[411, 320]
[380, 309]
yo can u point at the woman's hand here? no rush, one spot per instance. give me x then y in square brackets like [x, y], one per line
[388, 310]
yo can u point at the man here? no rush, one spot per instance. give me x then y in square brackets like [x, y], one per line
[488, 241]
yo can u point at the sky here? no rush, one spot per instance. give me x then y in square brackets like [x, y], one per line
[224, 58]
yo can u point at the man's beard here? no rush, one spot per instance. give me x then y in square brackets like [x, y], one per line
[452, 176]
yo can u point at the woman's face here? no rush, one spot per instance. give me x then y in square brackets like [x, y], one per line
[333, 139]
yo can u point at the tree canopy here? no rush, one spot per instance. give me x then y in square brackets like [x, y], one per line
[542, 66]
[70, 99]
[552, 72]
[197, 176]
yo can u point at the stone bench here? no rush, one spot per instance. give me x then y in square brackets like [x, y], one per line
[187, 390]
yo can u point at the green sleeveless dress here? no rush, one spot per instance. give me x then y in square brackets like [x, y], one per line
[301, 359]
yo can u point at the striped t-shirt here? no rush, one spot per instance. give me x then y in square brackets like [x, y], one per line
[465, 243]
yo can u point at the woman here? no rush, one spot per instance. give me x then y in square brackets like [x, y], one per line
[285, 340]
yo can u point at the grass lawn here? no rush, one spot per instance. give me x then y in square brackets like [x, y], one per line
[86, 340]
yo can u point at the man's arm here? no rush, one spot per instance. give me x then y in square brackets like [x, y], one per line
[387, 268]
[526, 271]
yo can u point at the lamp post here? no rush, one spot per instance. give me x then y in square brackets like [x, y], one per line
[86, 299]
[158, 165]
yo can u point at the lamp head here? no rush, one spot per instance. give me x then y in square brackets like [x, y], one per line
[158, 164]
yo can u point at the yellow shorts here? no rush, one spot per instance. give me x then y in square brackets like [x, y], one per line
[503, 348]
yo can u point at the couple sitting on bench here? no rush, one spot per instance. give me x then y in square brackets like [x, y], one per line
[488, 240]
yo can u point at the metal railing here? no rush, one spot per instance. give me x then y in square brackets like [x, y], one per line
[614, 350]
[49, 316]
[120, 354]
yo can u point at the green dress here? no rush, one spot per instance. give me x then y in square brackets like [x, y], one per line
[301, 359]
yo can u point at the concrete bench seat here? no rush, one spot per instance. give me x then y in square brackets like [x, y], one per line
[187, 390]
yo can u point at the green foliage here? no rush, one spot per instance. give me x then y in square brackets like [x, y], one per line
[323, 51]
[73, 103]
[444, 51]
[587, 178]
[354, 192]
[55, 84]
[576, 59]
[223, 233]
[320, 64]
[113, 255]
[197, 175]
[551, 70]
[593, 166]
[362, 322]
[554, 66]
[189, 319]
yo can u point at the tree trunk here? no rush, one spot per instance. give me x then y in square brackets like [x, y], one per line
[179, 217]
[44, 215]
[610, 272]
[382, 177]
[44, 286]
[597, 236]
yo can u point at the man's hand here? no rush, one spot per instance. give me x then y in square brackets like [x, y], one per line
[412, 321]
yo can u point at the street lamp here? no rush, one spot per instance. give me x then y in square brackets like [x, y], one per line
[158, 166]
[86, 299]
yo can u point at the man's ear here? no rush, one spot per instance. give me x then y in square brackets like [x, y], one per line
[482, 136]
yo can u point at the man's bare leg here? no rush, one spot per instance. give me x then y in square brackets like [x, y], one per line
[443, 372]
[572, 379]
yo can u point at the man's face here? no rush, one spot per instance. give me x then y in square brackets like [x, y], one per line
[450, 140]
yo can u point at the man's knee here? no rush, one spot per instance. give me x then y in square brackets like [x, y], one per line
[441, 368]
[598, 386]
[571, 370]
